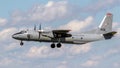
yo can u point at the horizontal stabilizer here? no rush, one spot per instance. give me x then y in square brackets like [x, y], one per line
[109, 35]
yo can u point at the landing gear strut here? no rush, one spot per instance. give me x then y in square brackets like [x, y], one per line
[21, 43]
[58, 45]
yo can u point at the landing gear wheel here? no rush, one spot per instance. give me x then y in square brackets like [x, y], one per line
[53, 45]
[59, 45]
[21, 43]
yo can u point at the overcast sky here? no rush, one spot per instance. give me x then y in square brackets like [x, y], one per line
[77, 15]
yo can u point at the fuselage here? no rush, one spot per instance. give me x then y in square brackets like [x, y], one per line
[32, 35]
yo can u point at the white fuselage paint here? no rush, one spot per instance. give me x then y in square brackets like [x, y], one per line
[75, 39]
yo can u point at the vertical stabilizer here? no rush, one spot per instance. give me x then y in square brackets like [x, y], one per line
[106, 24]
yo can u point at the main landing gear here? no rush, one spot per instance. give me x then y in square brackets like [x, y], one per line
[57, 45]
[21, 43]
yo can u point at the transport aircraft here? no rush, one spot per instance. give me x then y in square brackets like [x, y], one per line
[56, 37]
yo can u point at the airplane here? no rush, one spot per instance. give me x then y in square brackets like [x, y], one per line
[103, 32]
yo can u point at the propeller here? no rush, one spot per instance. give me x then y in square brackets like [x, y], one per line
[40, 30]
[34, 27]
[40, 27]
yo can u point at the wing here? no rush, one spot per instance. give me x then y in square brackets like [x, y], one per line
[61, 33]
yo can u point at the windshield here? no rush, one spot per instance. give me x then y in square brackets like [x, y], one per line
[21, 32]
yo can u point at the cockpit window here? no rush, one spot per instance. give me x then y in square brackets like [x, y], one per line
[21, 32]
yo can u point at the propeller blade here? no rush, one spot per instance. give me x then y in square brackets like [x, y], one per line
[40, 30]
[39, 35]
[34, 27]
[40, 27]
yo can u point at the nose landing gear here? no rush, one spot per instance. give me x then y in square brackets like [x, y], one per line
[21, 43]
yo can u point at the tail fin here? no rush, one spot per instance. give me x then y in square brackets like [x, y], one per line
[105, 27]
[106, 24]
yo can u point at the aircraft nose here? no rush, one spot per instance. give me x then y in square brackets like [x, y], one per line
[14, 36]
